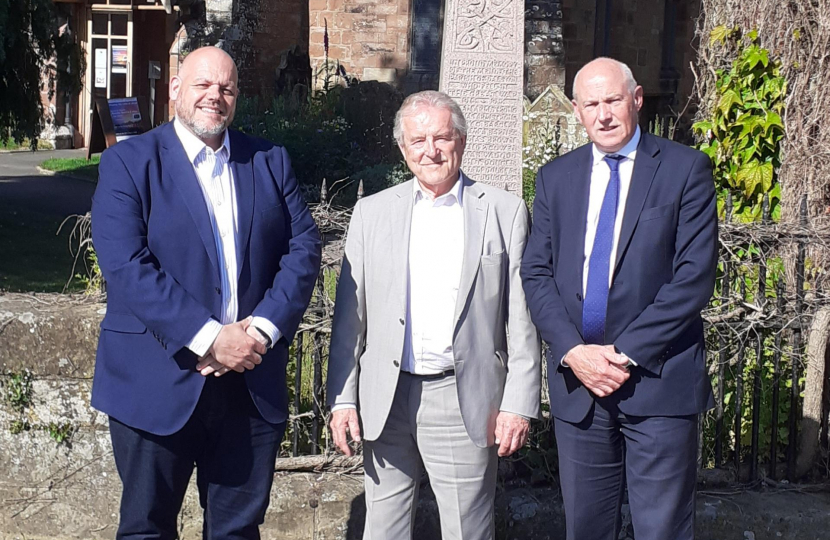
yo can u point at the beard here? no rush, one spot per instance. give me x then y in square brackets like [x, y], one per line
[200, 128]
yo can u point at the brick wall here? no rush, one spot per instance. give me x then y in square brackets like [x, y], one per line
[578, 26]
[370, 39]
[636, 34]
[544, 46]
[282, 26]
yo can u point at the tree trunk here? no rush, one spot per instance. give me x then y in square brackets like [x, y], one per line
[813, 391]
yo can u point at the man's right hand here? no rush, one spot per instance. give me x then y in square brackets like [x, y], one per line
[600, 369]
[234, 348]
[343, 421]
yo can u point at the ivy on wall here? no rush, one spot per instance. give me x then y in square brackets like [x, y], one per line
[743, 135]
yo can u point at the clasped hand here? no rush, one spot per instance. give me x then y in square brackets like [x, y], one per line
[239, 346]
[600, 368]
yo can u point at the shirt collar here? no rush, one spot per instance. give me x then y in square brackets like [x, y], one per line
[629, 150]
[193, 145]
[455, 194]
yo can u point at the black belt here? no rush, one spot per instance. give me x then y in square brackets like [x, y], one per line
[432, 376]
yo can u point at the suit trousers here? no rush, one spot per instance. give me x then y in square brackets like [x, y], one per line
[233, 450]
[654, 456]
[425, 426]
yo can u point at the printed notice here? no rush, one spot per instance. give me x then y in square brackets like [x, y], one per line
[126, 117]
[119, 59]
[100, 68]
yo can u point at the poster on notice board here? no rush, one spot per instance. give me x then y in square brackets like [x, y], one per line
[126, 118]
[119, 59]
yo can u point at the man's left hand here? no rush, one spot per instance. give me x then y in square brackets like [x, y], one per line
[254, 333]
[208, 365]
[511, 432]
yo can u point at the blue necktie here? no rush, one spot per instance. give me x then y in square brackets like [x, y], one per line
[596, 292]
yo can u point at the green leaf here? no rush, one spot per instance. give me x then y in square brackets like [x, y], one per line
[703, 126]
[754, 174]
[773, 119]
[757, 56]
[719, 34]
[728, 99]
[752, 35]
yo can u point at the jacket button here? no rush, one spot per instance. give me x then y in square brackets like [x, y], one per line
[218, 290]
[579, 296]
[396, 363]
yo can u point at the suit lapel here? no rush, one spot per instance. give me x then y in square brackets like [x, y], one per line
[243, 175]
[576, 212]
[179, 171]
[475, 220]
[398, 245]
[645, 167]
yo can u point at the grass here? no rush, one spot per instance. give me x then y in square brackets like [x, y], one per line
[11, 144]
[37, 259]
[75, 166]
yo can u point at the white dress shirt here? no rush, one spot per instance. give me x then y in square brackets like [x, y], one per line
[436, 252]
[216, 180]
[600, 176]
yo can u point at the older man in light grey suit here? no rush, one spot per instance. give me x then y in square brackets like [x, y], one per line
[432, 340]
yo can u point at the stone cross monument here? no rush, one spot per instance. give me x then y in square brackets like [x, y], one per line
[482, 69]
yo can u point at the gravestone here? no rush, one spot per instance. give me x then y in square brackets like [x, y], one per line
[482, 69]
[551, 109]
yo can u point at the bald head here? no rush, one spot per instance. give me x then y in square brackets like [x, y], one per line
[606, 67]
[205, 92]
[207, 55]
[607, 102]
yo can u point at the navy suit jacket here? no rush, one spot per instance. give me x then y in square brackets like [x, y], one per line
[664, 276]
[155, 246]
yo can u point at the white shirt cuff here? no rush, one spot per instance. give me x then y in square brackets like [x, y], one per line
[630, 361]
[342, 406]
[204, 338]
[268, 327]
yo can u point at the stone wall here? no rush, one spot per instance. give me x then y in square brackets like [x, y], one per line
[637, 33]
[544, 47]
[369, 39]
[58, 480]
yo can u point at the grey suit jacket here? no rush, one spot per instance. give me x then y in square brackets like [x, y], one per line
[496, 347]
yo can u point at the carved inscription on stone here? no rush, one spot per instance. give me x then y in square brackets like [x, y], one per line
[482, 69]
[488, 25]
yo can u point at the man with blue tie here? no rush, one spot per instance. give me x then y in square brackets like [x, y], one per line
[620, 262]
[210, 256]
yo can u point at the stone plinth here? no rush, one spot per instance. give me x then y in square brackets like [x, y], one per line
[482, 68]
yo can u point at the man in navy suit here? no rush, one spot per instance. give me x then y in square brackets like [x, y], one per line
[210, 257]
[620, 262]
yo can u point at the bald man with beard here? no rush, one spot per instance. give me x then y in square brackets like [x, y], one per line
[210, 256]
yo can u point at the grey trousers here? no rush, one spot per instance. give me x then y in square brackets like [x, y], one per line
[425, 425]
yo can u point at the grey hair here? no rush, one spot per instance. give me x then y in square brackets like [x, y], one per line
[630, 82]
[430, 98]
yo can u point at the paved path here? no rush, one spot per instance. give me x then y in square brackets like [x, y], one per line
[24, 187]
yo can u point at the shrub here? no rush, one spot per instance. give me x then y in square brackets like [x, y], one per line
[331, 135]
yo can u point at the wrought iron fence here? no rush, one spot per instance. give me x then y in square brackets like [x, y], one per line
[757, 321]
[755, 325]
